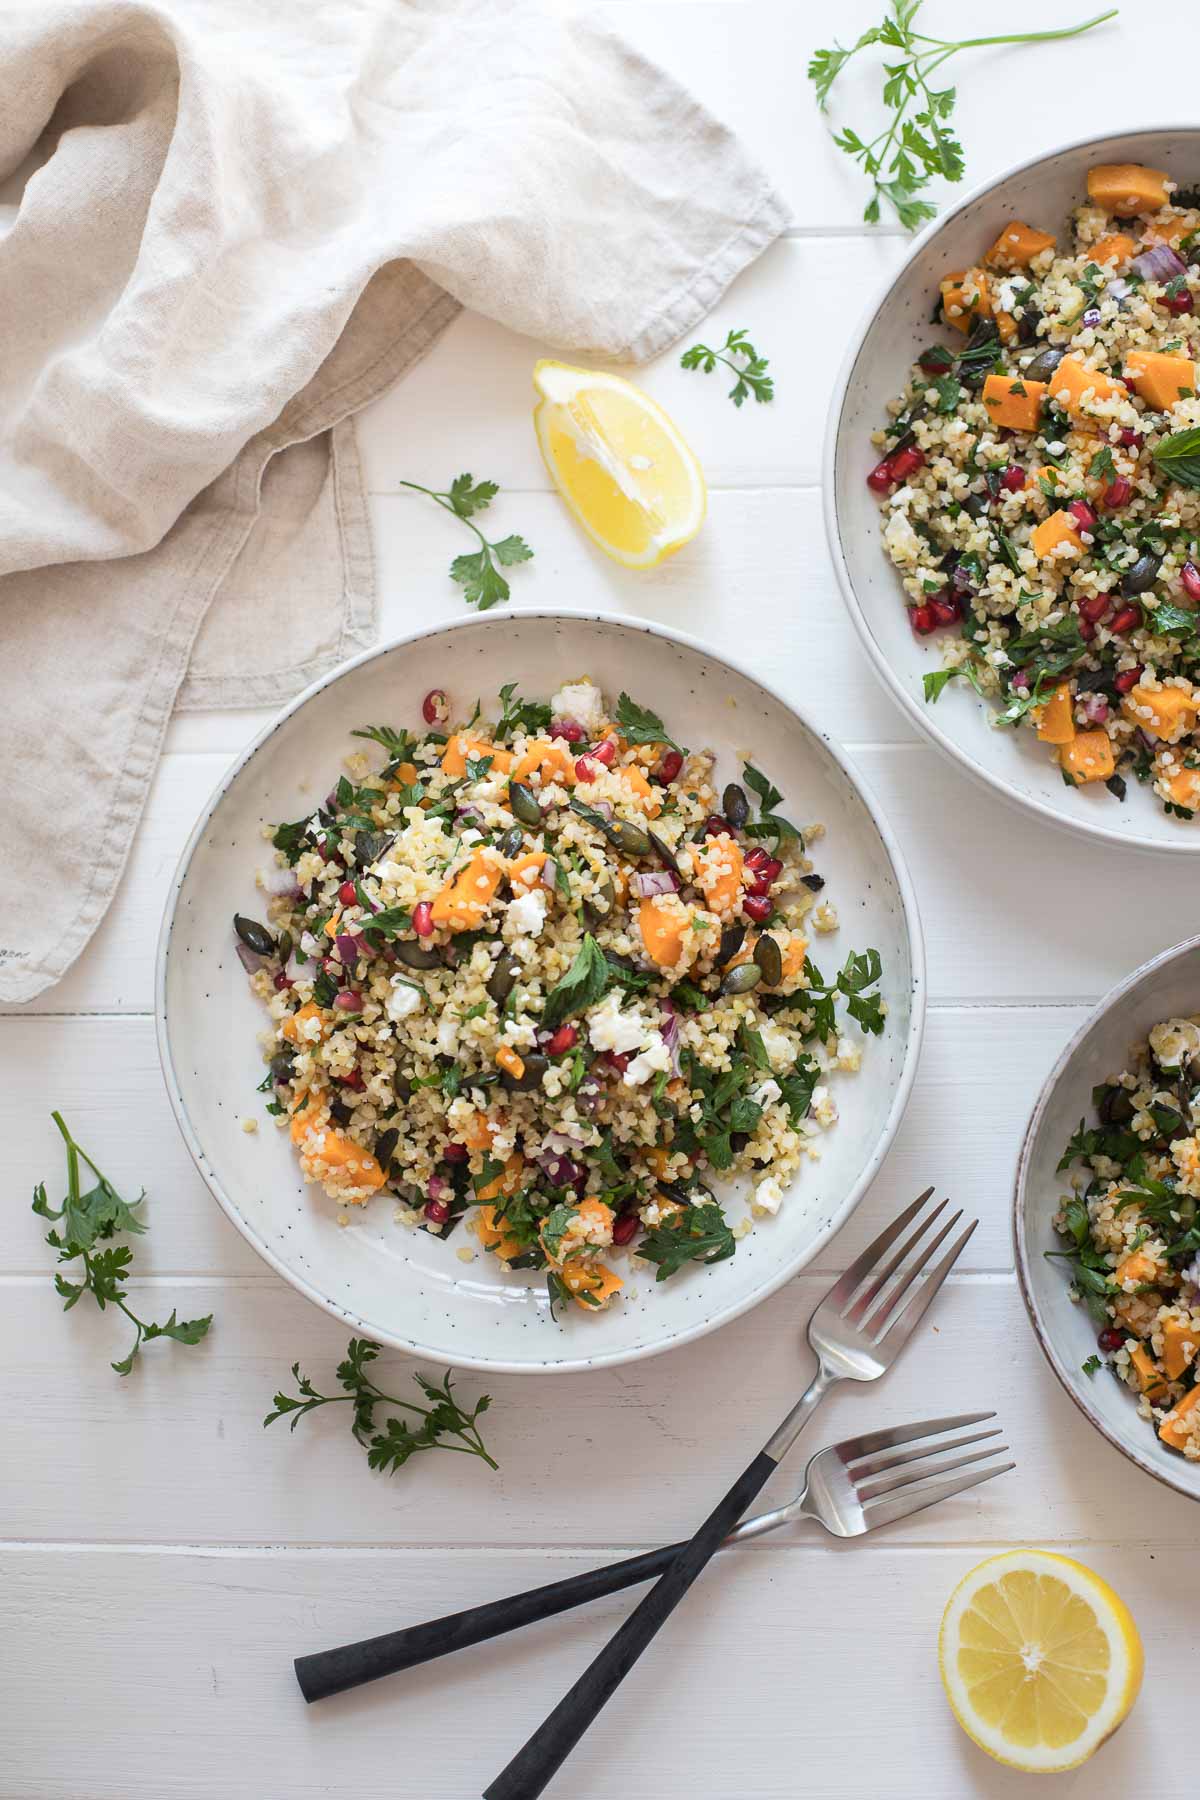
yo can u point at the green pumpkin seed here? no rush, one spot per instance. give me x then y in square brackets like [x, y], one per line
[664, 855]
[531, 1076]
[734, 805]
[742, 979]
[284, 947]
[385, 1147]
[631, 838]
[256, 937]
[524, 803]
[732, 939]
[281, 1066]
[416, 956]
[402, 1087]
[503, 978]
[597, 906]
[509, 844]
[769, 959]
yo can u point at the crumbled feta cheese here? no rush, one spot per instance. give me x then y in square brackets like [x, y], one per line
[653, 1057]
[611, 1029]
[581, 701]
[405, 998]
[778, 1046]
[1174, 1042]
[527, 913]
[766, 1092]
[849, 1054]
[824, 1111]
[769, 1195]
[447, 1035]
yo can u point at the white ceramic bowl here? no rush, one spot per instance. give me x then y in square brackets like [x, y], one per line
[895, 331]
[408, 1288]
[1166, 986]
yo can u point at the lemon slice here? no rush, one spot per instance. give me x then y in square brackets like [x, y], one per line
[619, 463]
[1039, 1658]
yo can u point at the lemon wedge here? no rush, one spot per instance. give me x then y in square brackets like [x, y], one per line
[619, 463]
[1040, 1660]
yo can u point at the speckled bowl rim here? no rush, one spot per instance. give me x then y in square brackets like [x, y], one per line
[1042, 1330]
[789, 1268]
[884, 668]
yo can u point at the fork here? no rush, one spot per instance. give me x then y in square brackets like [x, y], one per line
[849, 1488]
[856, 1333]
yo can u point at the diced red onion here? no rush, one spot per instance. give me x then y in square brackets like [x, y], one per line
[349, 948]
[1159, 263]
[560, 1169]
[436, 1187]
[669, 1032]
[331, 801]
[249, 959]
[589, 1095]
[282, 882]
[549, 874]
[603, 807]
[653, 881]
[1095, 708]
[468, 815]
[1147, 742]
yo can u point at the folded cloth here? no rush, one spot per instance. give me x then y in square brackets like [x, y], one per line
[233, 223]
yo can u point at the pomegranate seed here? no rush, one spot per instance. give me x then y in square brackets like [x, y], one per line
[757, 907]
[906, 462]
[437, 1212]
[455, 1153]
[936, 361]
[605, 752]
[283, 981]
[353, 1080]
[1130, 439]
[880, 479]
[1128, 619]
[922, 620]
[586, 769]
[772, 869]
[348, 1000]
[347, 895]
[423, 919]
[946, 609]
[1021, 680]
[758, 858]
[1094, 607]
[1109, 1339]
[563, 1040]
[625, 1228]
[670, 765]
[1087, 630]
[716, 826]
[1083, 515]
[1013, 479]
[435, 708]
[1182, 302]
[1117, 493]
[1190, 576]
[567, 729]
[617, 1059]
[1128, 678]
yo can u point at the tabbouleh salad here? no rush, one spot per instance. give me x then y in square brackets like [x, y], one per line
[1040, 478]
[539, 975]
[1133, 1229]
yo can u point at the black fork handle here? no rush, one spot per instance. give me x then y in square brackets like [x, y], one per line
[328, 1672]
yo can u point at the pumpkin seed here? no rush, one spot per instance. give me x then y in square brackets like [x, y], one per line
[511, 841]
[503, 978]
[597, 906]
[1042, 366]
[256, 937]
[416, 956]
[339, 1111]
[664, 855]
[385, 1147]
[768, 958]
[530, 1077]
[734, 805]
[1142, 576]
[281, 1066]
[284, 947]
[732, 939]
[524, 803]
[402, 1087]
[741, 979]
[631, 838]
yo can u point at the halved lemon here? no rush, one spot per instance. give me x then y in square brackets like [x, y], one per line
[619, 463]
[1040, 1660]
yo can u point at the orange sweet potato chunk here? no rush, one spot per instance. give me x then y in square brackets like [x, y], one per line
[464, 744]
[1180, 1343]
[1078, 389]
[966, 297]
[1059, 528]
[1166, 713]
[720, 876]
[1161, 380]
[1184, 789]
[1174, 1430]
[1014, 403]
[662, 921]
[1017, 246]
[462, 903]
[1118, 248]
[1056, 722]
[1088, 757]
[1127, 188]
[1149, 1376]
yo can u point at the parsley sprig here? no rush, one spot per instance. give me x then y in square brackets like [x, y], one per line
[1179, 456]
[87, 1220]
[769, 823]
[854, 982]
[749, 367]
[444, 1424]
[918, 143]
[697, 1234]
[476, 571]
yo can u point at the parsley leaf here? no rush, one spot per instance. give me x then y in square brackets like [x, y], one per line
[770, 823]
[1179, 456]
[530, 716]
[750, 368]
[585, 982]
[398, 744]
[936, 681]
[1172, 621]
[638, 725]
[697, 1234]
[475, 571]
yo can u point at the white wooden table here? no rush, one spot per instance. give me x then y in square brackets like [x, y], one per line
[163, 1559]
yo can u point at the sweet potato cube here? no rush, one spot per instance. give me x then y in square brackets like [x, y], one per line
[1180, 1344]
[1078, 389]
[591, 1284]
[463, 745]
[1127, 188]
[1135, 1270]
[1014, 403]
[1117, 248]
[1167, 713]
[966, 298]
[508, 1180]
[1088, 757]
[462, 903]
[663, 921]
[1059, 528]
[1017, 246]
[1056, 721]
[1161, 380]
[1150, 1378]
[1184, 789]
[1174, 1428]
[492, 1235]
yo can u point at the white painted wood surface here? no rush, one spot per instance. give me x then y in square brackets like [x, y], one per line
[163, 1560]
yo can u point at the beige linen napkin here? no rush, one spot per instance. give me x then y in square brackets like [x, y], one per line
[232, 223]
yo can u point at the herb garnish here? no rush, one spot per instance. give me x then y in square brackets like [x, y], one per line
[585, 982]
[91, 1218]
[475, 571]
[861, 972]
[750, 369]
[530, 716]
[769, 823]
[1179, 456]
[638, 725]
[442, 1420]
[918, 144]
[697, 1234]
